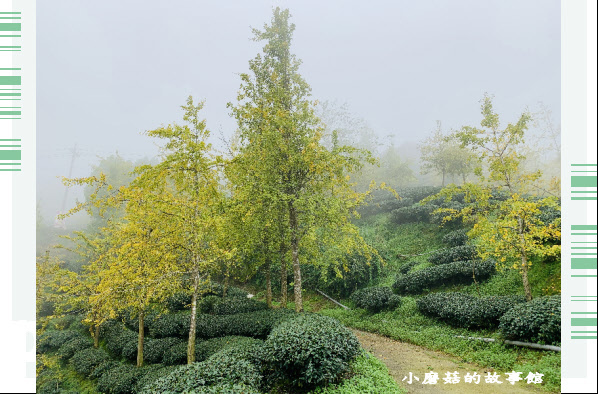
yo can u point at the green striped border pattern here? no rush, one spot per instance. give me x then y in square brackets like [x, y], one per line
[10, 94]
[10, 155]
[584, 250]
[10, 27]
[583, 182]
[583, 324]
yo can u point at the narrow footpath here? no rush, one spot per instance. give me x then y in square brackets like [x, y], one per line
[402, 358]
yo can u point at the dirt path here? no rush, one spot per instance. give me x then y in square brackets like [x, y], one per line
[402, 358]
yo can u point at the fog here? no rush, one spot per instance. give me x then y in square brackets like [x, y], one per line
[107, 71]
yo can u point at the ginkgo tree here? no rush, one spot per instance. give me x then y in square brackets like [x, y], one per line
[192, 205]
[78, 290]
[509, 224]
[141, 266]
[280, 146]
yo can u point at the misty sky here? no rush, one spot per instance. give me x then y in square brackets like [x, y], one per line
[108, 70]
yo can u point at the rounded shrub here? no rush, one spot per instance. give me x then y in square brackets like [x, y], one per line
[103, 367]
[178, 301]
[154, 349]
[405, 268]
[206, 304]
[51, 340]
[176, 354]
[217, 289]
[150, 373]
[68, 349]
[119, 380]
[394, 301]
[460, 272]
[129, 348]
[205, 349]
[361, 271]
[536, 321]
[85, 361]
[464, 310]
[119, 339]
[374, 299]
[309, 350]
[412, 214]
[456, 238]
[457, 253]
[255, 324]
[218, 370]
[171, 325]
[110, 327]
[232, 306]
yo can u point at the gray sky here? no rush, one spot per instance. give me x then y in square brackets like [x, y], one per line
[108, 70]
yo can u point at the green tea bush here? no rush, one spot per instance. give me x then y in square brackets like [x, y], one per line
[175, 355]
[309, 350]
[457, 253]
[65, 322]
[171, 325]
[129, 348]
[226, 388]
[460, 272]
[405, 268]
[232, 306]
[242, 346]
[536, 321]
[206, 304]
[255, 324]
[110, 328]
[384, 201]
[440, 218]
[150, 373]
[51, 340]
[374, 299]
[119, 380]
[217, 370]
[412, 214]
[235, 292]
[103, 367]
[360, 273]
[217, 289]
[49, 387]
[85, 361]
[68, 349]
[119, 340]
[178, 302]
[464, 310]
[394, 301]
[456, 238]
[154, 349]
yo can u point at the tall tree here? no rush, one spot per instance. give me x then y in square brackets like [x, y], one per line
[444, 155]
[509, 219]
[280, 143]
[192, 204]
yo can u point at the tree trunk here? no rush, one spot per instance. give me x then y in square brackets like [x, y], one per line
[226, 283]
[295, 253]
[96, 336]
[193, 323]
[268, 284]
[283, 276]
[443, 175]
[140, 340]
[526, 286]
[524, 266]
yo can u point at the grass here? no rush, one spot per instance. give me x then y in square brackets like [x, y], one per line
[408, 325]
[371, 376]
